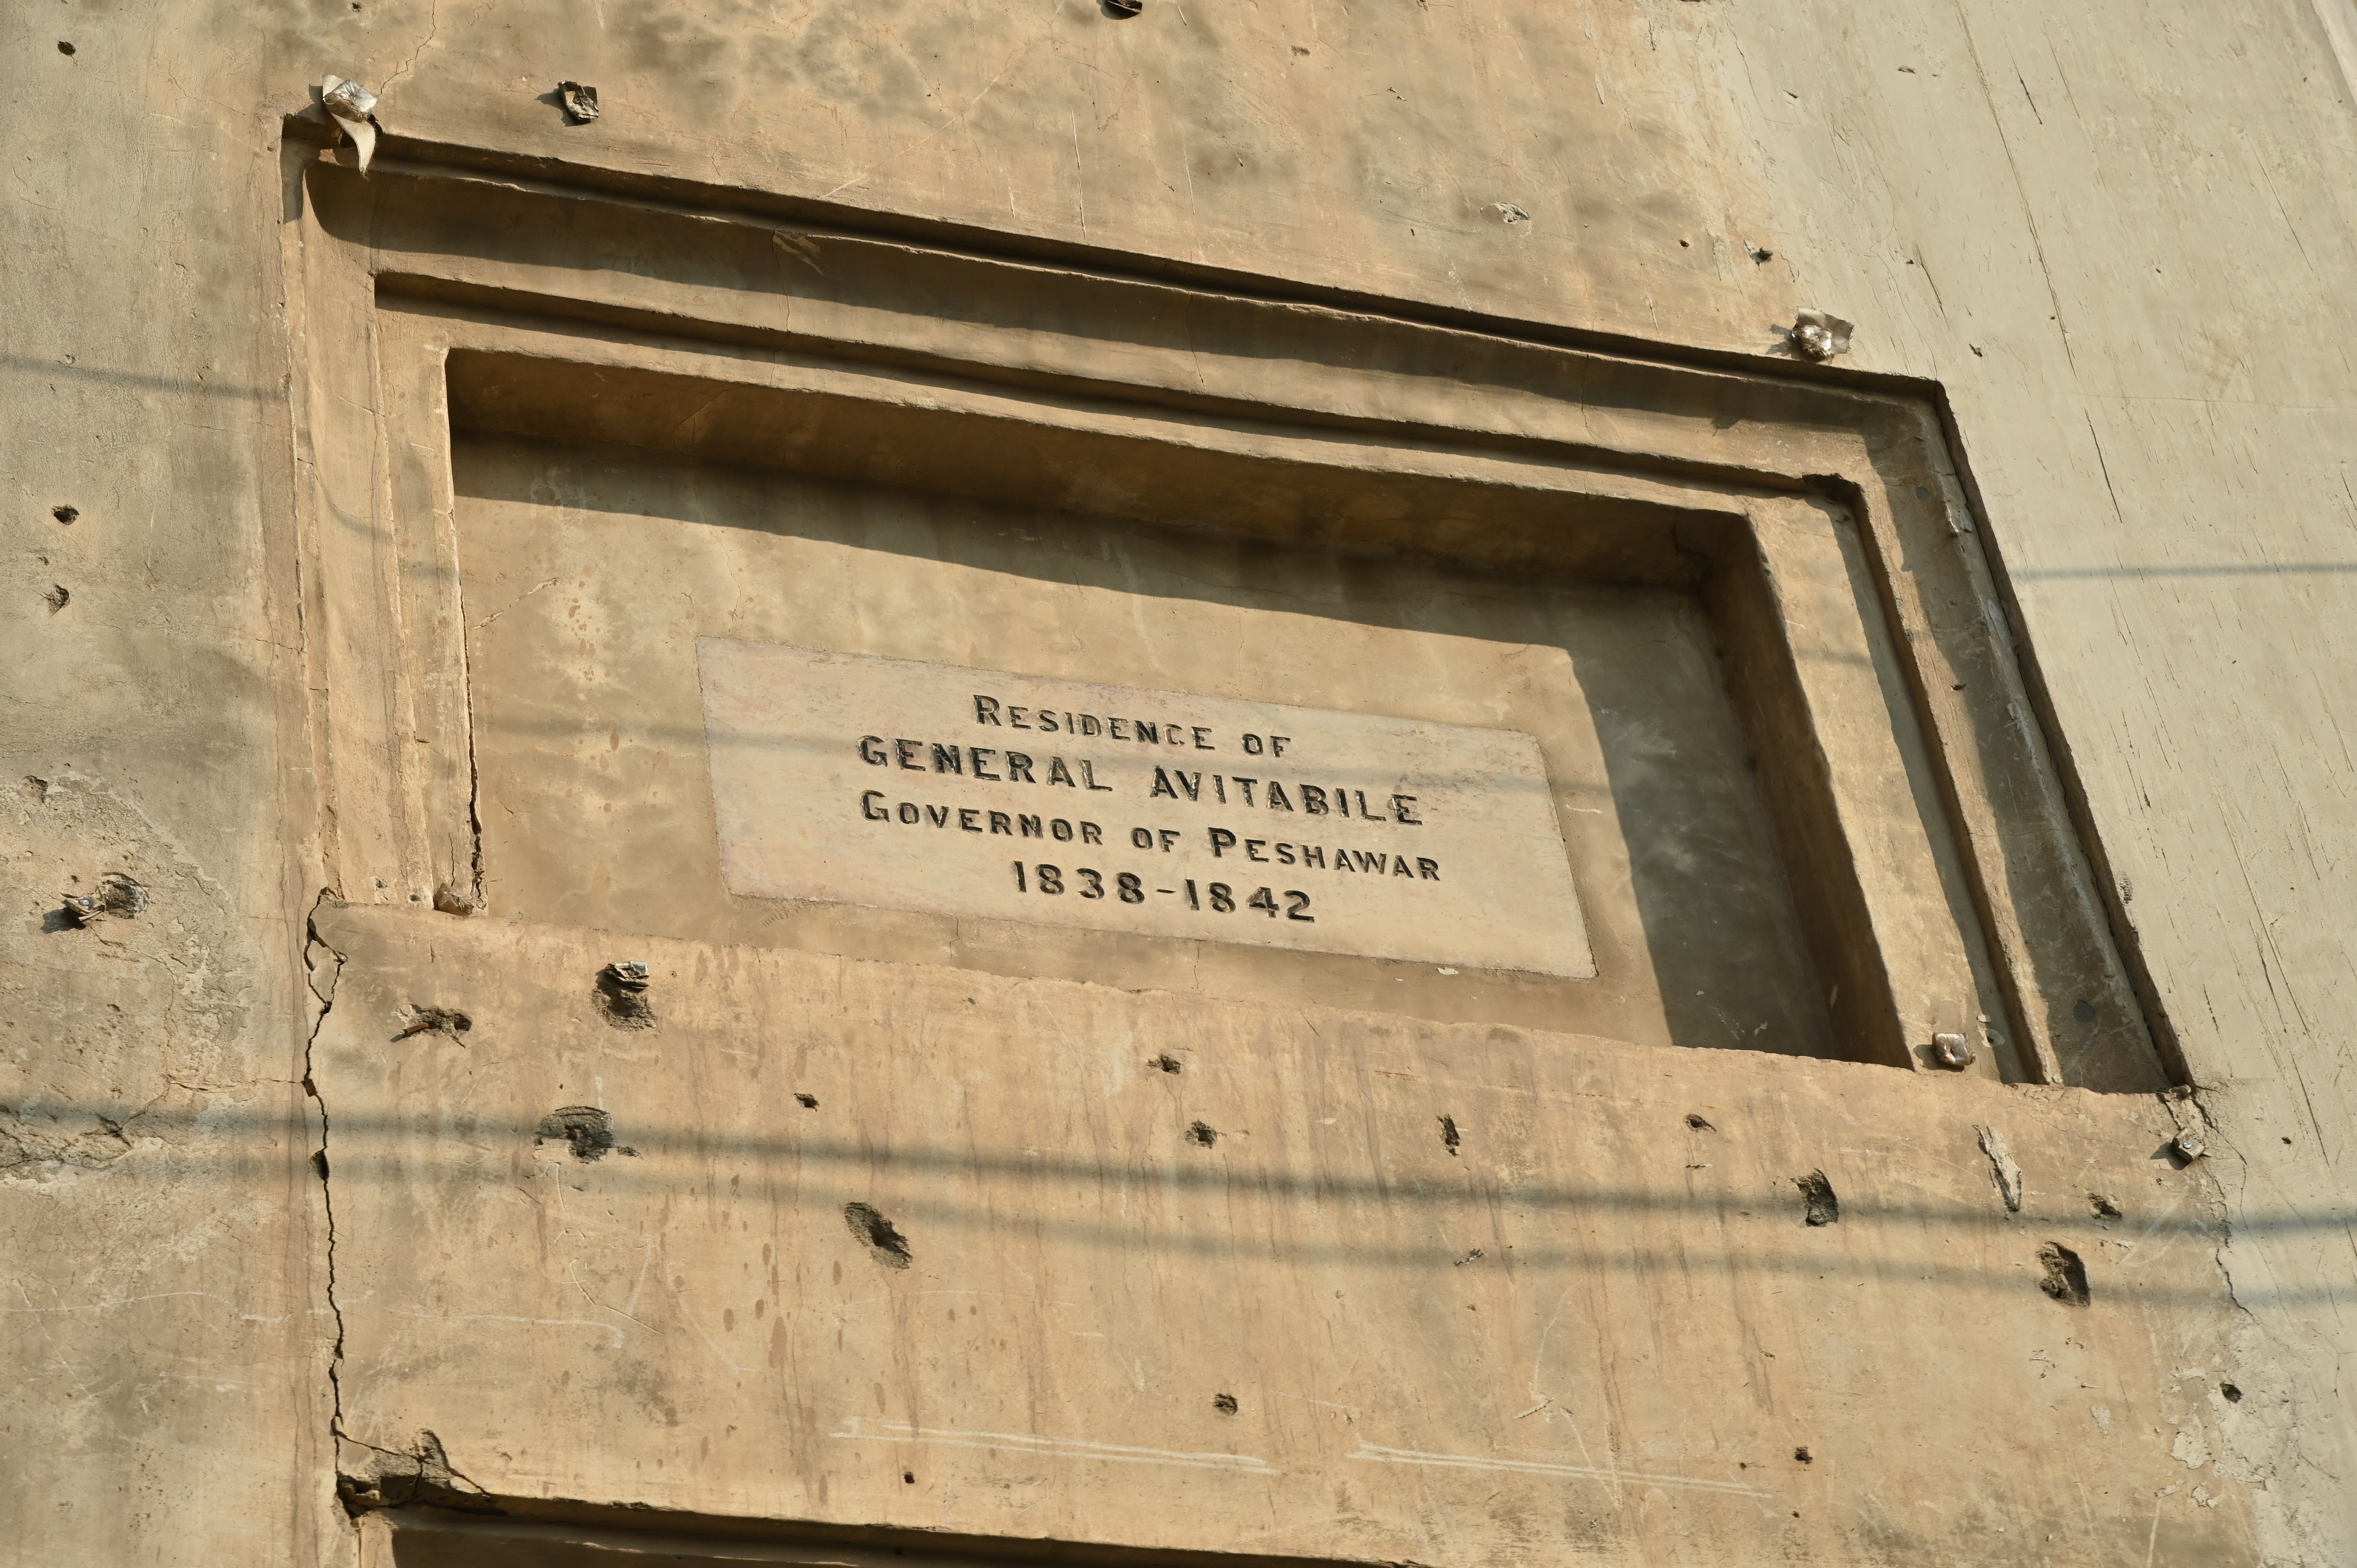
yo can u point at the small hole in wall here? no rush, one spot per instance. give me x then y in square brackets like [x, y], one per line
[621, 996]
[909, 1476]
[2234, 1395]
[1224, 1404]
[1821, 1207]
[65, 513]
[883, 1238]
[807, 1101]
[2065, 1275]
[447, 1021]
[586, 1130]
[64, 47]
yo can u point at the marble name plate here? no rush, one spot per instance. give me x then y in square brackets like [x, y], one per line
[847, 778]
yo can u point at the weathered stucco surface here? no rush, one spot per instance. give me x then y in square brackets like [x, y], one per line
[1475, 1295]
[2119, 242]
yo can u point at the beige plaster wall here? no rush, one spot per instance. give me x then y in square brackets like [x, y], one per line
[1590, 1325]
[163, 1318]
[2119, 239]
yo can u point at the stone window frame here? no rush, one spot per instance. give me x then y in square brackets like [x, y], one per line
[1917, 776]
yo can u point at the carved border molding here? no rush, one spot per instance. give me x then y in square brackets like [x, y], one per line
[559, 297]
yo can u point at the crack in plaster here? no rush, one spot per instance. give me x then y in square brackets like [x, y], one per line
[325, 991]
[423, 1473]
[2252, 1450]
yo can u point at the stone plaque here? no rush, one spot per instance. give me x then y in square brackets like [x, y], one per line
[854, 780]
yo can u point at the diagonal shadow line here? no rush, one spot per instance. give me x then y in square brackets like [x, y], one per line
[25, 364]
[405, 1155]
[391, 1142]
[2113, 1278]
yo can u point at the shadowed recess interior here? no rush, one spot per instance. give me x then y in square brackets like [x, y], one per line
[1586, 624]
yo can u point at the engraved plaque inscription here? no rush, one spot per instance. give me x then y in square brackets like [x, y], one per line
[849, 778]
